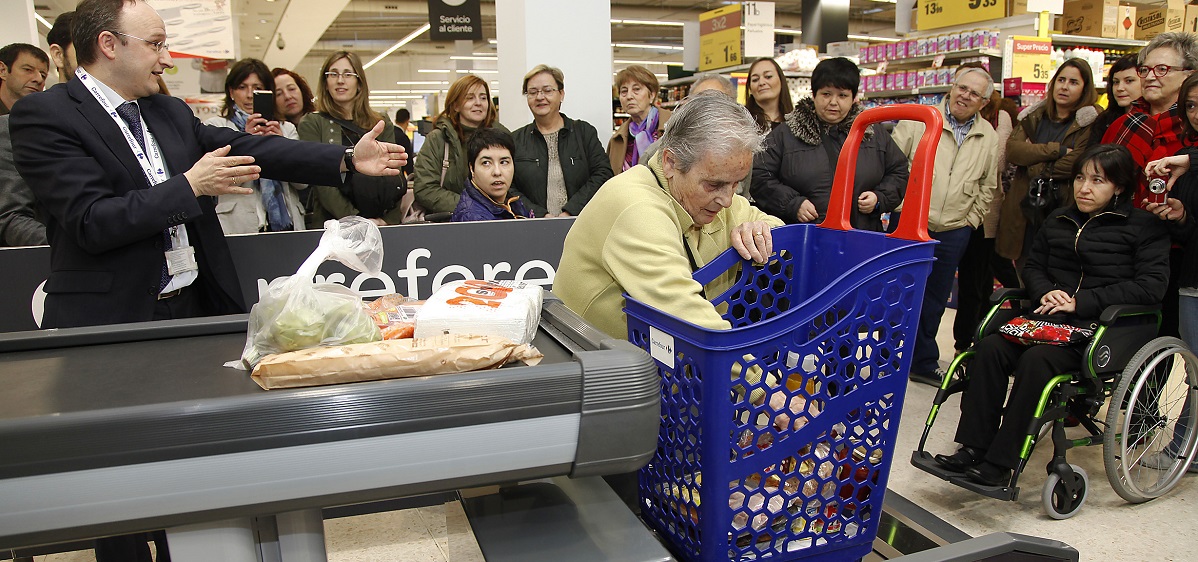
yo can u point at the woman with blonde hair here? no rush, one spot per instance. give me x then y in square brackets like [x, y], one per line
[441, 165]
[343, 115]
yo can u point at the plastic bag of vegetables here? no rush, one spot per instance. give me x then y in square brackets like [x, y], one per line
[294, 313]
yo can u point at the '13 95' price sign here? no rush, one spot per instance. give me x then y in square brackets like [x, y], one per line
[933, 14]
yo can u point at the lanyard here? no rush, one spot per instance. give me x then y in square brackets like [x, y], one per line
[152, 163]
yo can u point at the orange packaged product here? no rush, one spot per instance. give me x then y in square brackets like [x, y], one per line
[395, 315]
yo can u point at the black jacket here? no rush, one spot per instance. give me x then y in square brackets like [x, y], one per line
[1185, 189]
[584, 165]
[1118, 256]
[795, 166]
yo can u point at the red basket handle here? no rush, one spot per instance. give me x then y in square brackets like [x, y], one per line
[913, 224]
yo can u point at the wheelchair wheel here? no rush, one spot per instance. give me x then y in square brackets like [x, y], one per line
[1148, 441]
[1059, 503]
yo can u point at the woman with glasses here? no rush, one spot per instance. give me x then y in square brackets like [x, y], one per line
[792, 177]
[274, 205]
[441, 164]
[559, 161]
[1045, 143]
[637, 89]
[293, 97]
[343, 116]
[768, 96]
[1123, 88]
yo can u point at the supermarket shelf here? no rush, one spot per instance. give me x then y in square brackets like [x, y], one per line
[728, 70]
[1087, 41]
[912, 92]
[950, 55]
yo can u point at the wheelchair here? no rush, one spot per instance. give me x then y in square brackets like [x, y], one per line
[1143, 381]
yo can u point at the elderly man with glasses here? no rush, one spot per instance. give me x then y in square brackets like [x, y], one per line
[1152, 127]
[964, 180]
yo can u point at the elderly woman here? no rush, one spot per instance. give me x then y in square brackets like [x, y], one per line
[768, 97]
[344, 116]
[274, 205]
[792, 177]
[637, 90]
[293, 97]
[648, 229]
[1048, 138]
[441, 164]
[1097, 252]
[559, 161]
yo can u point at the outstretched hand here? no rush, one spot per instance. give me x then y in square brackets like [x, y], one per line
[373, 157]
[217, 173]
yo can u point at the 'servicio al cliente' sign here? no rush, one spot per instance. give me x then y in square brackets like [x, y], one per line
[450, 20]
[417, 259]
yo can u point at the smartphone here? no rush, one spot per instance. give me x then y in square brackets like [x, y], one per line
[264, 104]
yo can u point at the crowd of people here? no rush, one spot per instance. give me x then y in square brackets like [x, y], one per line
[673, 190]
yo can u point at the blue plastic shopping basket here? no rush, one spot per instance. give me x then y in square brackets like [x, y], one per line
[777, 435]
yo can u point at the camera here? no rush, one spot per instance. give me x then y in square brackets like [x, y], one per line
[1157, 190]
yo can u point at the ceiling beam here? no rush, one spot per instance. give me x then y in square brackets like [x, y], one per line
[301, 26]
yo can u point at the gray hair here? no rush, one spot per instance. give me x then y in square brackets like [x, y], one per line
[1186, 44]
[723, 83]
[710, 122]
[972, 70]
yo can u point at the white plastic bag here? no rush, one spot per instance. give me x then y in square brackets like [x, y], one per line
[294, 313]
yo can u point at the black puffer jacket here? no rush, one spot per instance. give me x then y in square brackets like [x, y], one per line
[1118, 256]
[795, 167]
[1185, 189]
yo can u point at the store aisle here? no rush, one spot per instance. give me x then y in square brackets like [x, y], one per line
[1108, 528]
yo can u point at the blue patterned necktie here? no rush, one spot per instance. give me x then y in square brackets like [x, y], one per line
[130, 113]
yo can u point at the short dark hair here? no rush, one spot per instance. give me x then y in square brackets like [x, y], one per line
[402, 115]
[93, 17]
[487, 137]
[836, 72]
[60, 34]
[1116, 164]
[9, 53]
[241, 70]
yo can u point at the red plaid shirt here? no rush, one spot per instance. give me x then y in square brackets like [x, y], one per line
[1148, 137]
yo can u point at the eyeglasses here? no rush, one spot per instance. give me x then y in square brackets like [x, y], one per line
[1160, 70]
[547, 90]
[964, 90]
[159, 46]
[345, 75]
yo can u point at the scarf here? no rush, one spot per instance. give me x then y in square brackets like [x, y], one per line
[642, 136]
[271, 191]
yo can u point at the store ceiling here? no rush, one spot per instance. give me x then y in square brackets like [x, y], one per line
[311, 29]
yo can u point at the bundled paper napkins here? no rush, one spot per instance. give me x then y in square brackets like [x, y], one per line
[509, 309]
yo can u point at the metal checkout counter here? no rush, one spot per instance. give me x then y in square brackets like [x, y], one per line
[121, 429]
[126, 428]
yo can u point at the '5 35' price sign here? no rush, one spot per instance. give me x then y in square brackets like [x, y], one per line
[933, 14]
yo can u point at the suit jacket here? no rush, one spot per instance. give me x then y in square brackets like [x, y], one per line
[105, 222]
[19, 219]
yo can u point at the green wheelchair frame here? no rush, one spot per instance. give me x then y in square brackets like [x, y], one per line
[1124, 338]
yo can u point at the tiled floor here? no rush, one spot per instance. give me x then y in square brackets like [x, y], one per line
[1107, 528]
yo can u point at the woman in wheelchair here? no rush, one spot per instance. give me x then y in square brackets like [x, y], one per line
[1098, 251]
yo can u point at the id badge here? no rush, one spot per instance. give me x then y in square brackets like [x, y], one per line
[180, 260]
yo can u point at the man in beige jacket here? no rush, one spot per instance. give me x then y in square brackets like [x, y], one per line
[964, 179]
[647, 229]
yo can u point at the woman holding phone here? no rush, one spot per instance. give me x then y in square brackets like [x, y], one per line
[274, 205]
[343, 115]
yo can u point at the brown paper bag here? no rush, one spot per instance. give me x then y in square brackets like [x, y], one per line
[390, 359]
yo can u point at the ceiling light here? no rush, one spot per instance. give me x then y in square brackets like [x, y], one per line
[385, 92]
[42, 20]
[659, 62]
[420, 30]
[794, 32]
[261, 21]
[258, 37]
[873, 11]
[473, 57]
[646, 46]
[650, 22]
[476, 71]
[873, 38]
[432, 70]
[423, 83]
[887, 1]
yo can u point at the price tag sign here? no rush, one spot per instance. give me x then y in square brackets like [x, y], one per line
[933, 14]
[1031, 59]
[719, 37]
[938, 61]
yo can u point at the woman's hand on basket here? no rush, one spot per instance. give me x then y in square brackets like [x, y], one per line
[753, 241]
[1056, 301]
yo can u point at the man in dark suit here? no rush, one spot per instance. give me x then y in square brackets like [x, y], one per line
[128, 178]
